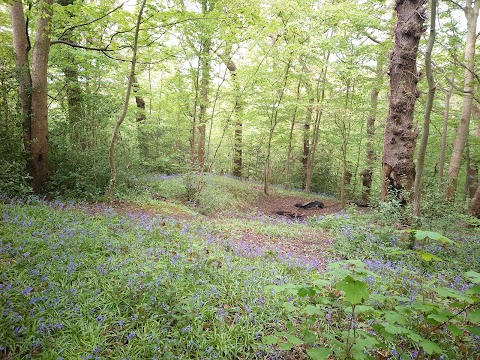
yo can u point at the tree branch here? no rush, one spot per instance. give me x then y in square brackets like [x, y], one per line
[92, 21]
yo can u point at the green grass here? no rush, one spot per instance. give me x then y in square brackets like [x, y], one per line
[109, 286]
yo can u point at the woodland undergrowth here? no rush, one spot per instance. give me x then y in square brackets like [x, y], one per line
[84, 281]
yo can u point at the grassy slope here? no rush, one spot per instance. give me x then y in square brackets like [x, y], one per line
[91, 283]
[113, 286]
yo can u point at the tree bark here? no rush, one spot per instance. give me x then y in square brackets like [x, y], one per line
[471, 13]
[474, 208]
[417, 189]
[443, 146]
[33, 88]
[21, 47]
[320, 96]
[116, 129]
[238, 111]
[371, 157]
[400, 135]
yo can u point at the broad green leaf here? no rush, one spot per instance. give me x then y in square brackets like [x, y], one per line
[269, 340]
[289, 306]
[306, 291]
[362, 309]
[309, 337]
[395, 330]
[426, 256]
[393, 317]
[473, 276]
[319, 353]
[454, 330]
[421, 235]
[439, 317]
[356, 291]
[474, 316]
[474, 290]
[474, 330]
[293, 339]
[285, 346]
[313, 310]
[430, 347]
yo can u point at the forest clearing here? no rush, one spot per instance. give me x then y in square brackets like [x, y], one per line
[225, 179]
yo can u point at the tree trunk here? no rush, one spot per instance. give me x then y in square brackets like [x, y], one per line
[371, 157]
[33, 89]
[290, 137]
[400, 136]
[417, 189]
[471, 13]
[273, 125]
[474, 208]
[41, 49]
[238, 112]
[116, 129]
[443, 146]
[21, 47]
[320, 96]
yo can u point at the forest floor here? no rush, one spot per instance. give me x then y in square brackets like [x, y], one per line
[257, 224]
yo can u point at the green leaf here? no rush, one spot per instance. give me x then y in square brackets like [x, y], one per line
[474, 330]
[426, 256]
[319, 353]
[395, 330]
[430, 347]
[439, 318]
[293, 339]
[313, 310]
[454, 330]
[289, 306]
[473, 276]
[393, 317]
[474, 290]
[309, 337]
[269, 340]
[285, 346]
[306, 291]
[421, 235]
[356, 291]
[474, 316]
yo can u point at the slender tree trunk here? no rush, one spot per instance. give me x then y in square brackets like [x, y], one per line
[290, 137]
[371, 157]
[400, 135]
[443, 146]
[140, 117]
[238, 113]
[417, 189]
[471, 13]
[273, 125]
[131, 79]
[320, 96]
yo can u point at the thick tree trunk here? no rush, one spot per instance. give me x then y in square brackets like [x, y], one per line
[400, 135]
[39, 146]
[21, 47]
[471, 13]
[417, 189]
